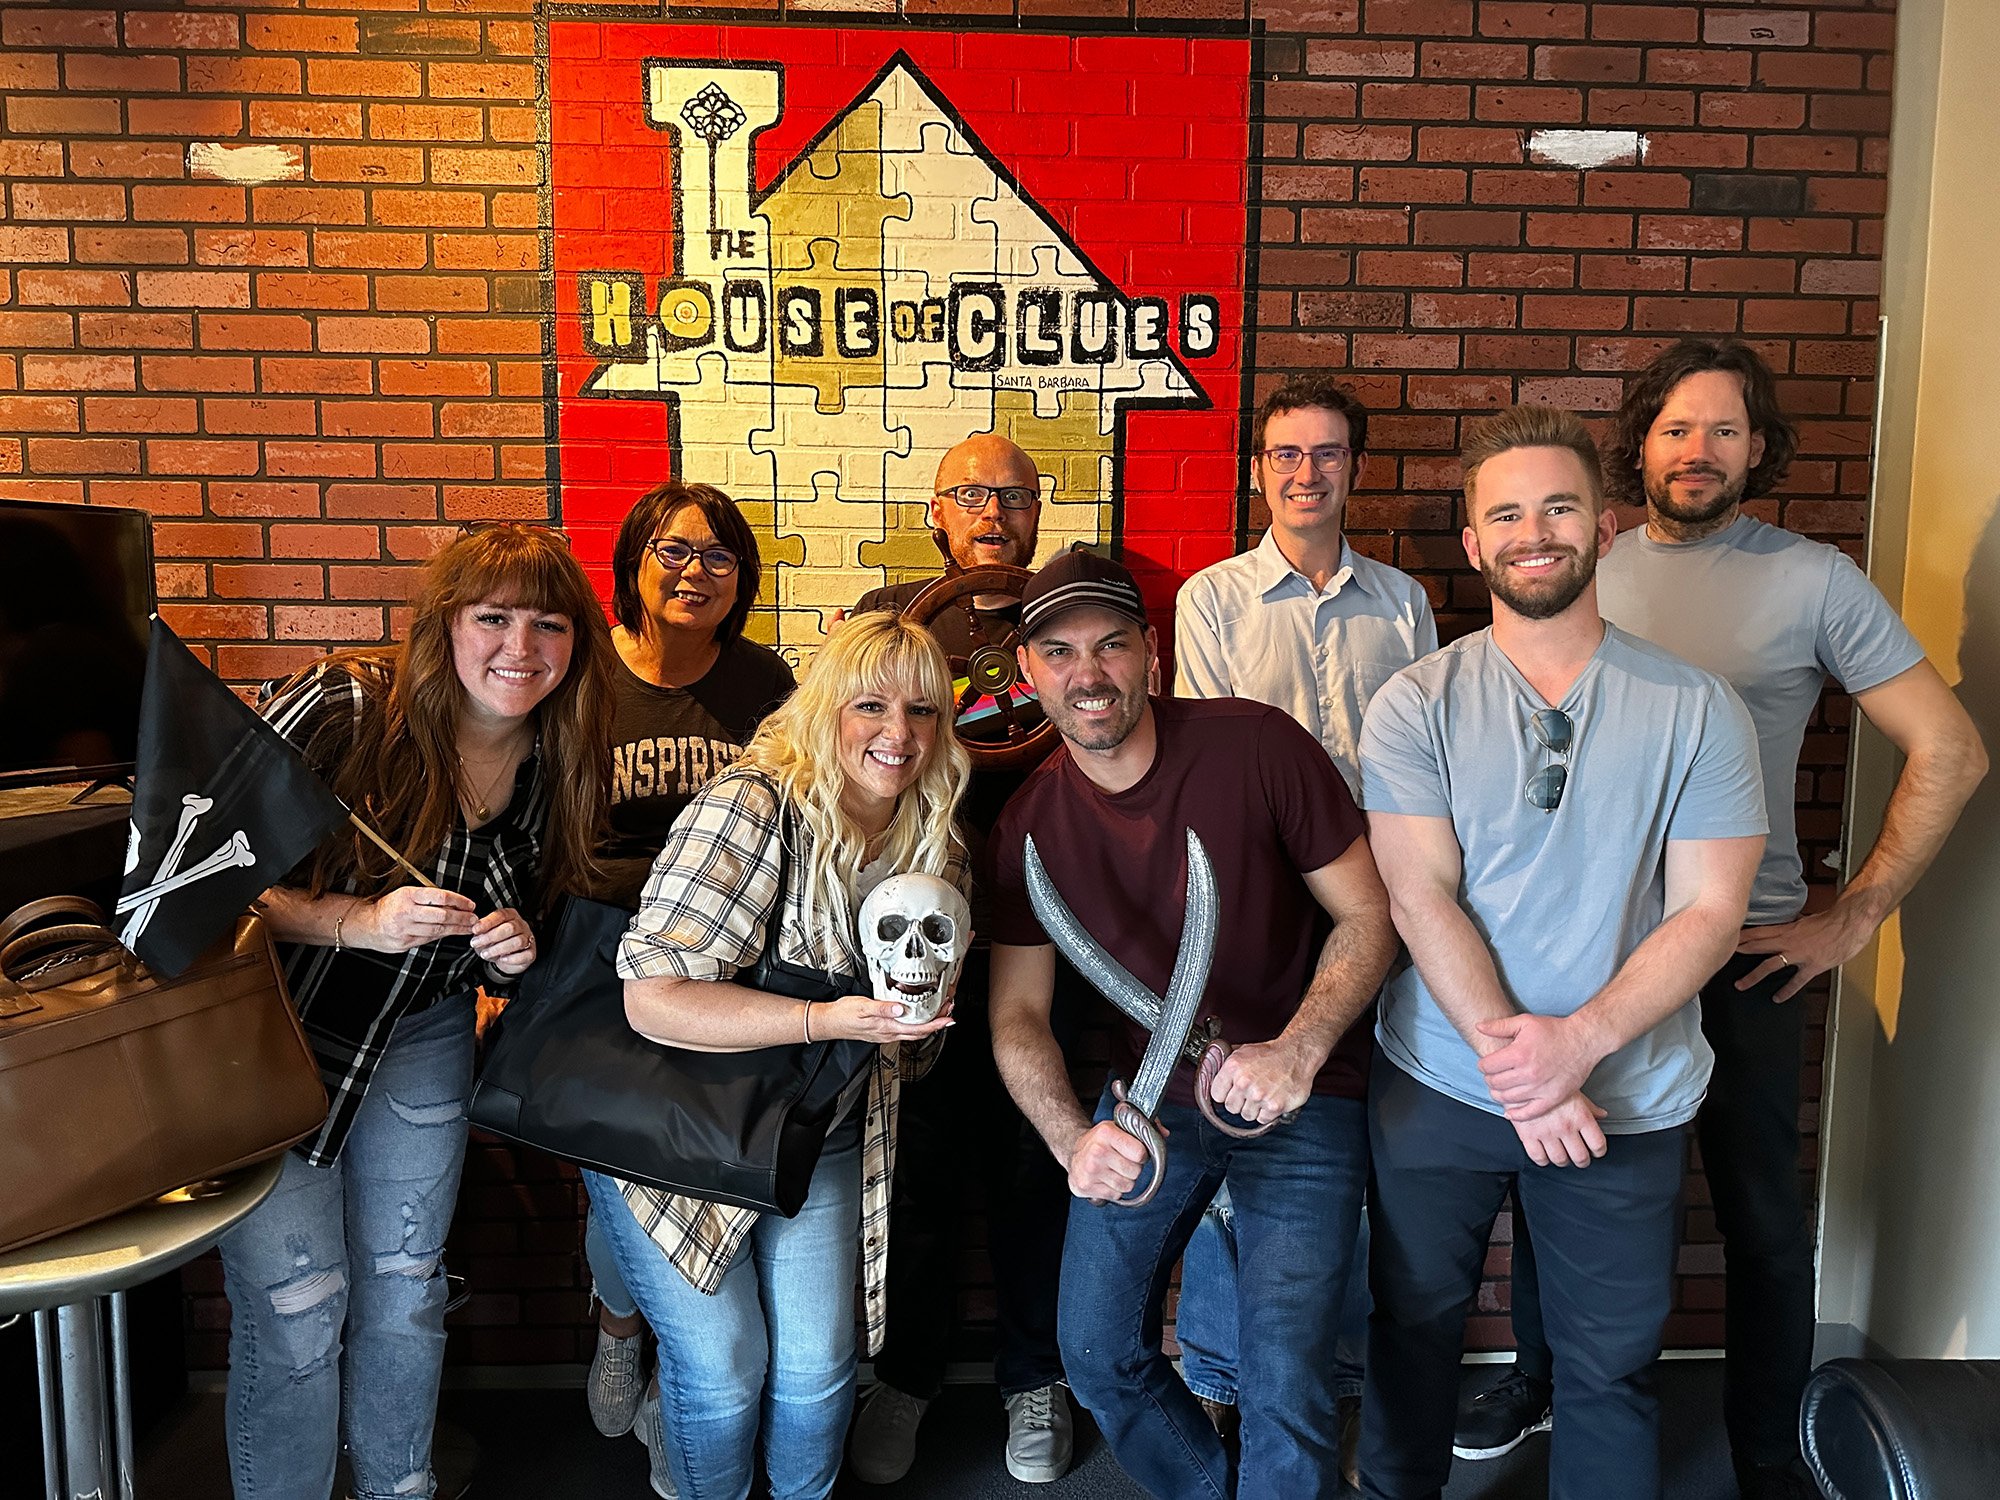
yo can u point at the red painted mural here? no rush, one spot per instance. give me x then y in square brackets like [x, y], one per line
[800, 262]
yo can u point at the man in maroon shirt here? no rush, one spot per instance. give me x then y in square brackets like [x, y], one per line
[1303, 939]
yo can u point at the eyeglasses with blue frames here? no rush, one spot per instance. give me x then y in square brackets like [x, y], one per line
[673, 554]
[1555, 733]
[1328, 458]
[975, 496]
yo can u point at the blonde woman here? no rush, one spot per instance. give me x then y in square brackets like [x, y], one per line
[857, 777]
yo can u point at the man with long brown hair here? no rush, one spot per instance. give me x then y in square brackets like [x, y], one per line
[1700, 433]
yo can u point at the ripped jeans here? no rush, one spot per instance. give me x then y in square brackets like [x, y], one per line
[337, 1291]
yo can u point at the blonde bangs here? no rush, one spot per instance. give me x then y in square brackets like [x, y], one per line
[877, 652]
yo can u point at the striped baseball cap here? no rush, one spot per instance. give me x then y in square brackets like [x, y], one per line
[1076, 578]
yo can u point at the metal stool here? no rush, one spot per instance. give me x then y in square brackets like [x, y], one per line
[66, 1283]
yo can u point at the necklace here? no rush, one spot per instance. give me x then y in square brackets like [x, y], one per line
[482, 804]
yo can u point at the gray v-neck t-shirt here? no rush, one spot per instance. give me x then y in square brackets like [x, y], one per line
[1661, 751]
[1775, 614]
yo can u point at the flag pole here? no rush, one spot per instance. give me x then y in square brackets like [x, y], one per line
[390, 849]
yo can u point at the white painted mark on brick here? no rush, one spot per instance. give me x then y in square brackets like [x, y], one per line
[1585, 149]
[246, 163]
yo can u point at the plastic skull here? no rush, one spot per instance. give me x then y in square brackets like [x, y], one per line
[915, 930]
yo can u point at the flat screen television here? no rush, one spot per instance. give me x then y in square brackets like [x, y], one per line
[76, 591]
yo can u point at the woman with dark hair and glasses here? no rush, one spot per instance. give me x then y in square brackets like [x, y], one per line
[684, 572]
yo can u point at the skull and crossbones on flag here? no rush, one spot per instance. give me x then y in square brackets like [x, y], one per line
[222, 809]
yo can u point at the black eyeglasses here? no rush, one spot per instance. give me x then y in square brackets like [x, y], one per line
[1328, 458]
[673, 554]
[1552, 727]
[975, 496]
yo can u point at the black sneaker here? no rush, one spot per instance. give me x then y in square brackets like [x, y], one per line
[1499, 1420]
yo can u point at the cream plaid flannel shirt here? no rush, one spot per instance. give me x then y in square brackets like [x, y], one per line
[705, 914]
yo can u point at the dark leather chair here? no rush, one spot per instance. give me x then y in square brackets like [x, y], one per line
[1903, 1429]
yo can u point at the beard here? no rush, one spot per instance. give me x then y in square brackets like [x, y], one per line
[1103, 734]
[1013, 549]
[1662, 500]
[1540, 598]
[1016, 551]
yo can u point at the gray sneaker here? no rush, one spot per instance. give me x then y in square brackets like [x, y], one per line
[616, 1382]
[1039, 1434]
[653, 1434]
[884, 1444]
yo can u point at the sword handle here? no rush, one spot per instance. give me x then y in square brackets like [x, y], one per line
[1134, 1122]
[1213, 1056]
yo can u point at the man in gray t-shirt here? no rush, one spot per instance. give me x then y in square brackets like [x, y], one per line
[1561, 898]
[1776, 614]
[1568, 821]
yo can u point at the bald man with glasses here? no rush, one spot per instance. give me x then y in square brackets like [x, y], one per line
[1568, 820]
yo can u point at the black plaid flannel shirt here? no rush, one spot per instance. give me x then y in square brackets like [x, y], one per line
[349, 1001]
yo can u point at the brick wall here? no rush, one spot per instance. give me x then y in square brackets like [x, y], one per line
[309, 378]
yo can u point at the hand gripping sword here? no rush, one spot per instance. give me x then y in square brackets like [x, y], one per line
[1171, 1021]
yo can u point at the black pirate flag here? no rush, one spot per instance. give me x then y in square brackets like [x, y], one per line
[224, 809]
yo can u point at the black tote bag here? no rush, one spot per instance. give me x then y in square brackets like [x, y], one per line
[566, 1072]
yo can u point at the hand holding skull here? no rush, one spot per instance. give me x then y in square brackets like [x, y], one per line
[915, 930]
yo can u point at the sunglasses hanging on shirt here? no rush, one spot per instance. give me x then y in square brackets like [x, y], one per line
[1555, 733]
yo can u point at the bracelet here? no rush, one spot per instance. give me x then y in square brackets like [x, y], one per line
[341, 921]
[806, 1015]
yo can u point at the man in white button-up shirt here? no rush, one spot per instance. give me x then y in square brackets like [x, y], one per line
[1304, 623]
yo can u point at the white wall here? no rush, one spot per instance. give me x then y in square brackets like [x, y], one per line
[1910, 1247]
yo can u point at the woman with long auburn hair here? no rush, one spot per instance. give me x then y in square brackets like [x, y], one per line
[477, 749]
[855, 778]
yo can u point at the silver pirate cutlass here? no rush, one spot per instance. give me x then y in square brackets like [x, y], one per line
[1171, 1021]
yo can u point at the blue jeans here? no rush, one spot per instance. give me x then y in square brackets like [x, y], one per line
[337, 1291]
[607, 1285]
[1205, 1326]
[1296, 1194]
[773, 1349]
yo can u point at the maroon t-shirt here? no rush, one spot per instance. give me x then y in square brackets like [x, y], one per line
[1268, 804]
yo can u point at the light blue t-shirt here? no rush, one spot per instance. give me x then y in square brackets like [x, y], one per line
[1661, 751]
[1775, 614]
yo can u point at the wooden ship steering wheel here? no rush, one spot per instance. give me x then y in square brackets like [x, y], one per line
[1024, 734]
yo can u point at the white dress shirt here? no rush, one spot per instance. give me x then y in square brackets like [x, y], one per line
[1253, 626]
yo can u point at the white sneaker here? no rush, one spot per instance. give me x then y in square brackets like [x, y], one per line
[653, 1434]
[884, 1444]
[1040, 1438]
[616, 1382]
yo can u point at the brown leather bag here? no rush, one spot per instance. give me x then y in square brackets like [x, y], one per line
[117, 1085]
